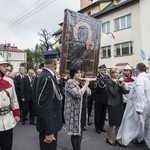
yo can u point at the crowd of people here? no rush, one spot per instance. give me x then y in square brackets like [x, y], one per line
[119, 96]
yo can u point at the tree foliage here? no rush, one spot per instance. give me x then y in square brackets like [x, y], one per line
[46, 40]
[35, 56]
[29, 59]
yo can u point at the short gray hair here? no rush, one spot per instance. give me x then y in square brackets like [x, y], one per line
[49, 61]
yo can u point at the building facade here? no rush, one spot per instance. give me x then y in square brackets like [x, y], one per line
[90, 7]
[125, 30]
[13, 55]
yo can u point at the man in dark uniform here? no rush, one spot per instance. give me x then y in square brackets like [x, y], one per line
[100, 97]
[49, 111]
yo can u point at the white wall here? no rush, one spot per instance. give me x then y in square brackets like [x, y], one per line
[136, 33]
[145, 26]
[16, 59]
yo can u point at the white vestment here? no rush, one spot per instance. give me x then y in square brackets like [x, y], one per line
[127, 86]
[134, 125]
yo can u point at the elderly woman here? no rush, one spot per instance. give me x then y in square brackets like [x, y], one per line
[115, 105]
[75, 106]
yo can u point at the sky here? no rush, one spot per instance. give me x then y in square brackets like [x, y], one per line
[22, 20]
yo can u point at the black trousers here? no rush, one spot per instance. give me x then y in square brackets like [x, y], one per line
[90, 106]
[100, 114]
[6, 138]
[76, 141]
[28, 106]
[46, 146]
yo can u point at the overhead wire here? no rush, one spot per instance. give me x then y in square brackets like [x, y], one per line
[4, 26]
[28, 15]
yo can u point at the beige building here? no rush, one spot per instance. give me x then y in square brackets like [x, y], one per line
[90, 7]
[125, 31]
[13, 55]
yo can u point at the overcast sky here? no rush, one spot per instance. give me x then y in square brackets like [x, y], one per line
[25, 34]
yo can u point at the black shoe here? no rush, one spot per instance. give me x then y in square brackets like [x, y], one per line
[32, 123]
[136, 142]
[110, 142]
[90, 123]
[84, 129]
[103, 130]
[27, 119]
[120, 144]
[98, 131]
[23, 123]
[142, 142]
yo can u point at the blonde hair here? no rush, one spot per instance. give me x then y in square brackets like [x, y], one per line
[113, 70]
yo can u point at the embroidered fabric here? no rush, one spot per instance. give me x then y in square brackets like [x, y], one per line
[73, 108]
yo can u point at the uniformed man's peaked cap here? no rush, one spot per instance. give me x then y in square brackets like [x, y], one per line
[102, 67]
[51, 54]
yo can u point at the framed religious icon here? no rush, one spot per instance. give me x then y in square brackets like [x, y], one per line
[80, 43]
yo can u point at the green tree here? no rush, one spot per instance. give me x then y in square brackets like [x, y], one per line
[29, 58]
[23, 65]
[37, 55]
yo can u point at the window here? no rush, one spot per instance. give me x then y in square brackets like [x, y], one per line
[123, 49]
[93, 1]
[123, 22]
[8, 54]
[106, 27]
[119, 1]
[106, 52]
[90, 13]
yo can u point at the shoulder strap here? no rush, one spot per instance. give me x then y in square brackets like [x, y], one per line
[55, 91]
[5, 92]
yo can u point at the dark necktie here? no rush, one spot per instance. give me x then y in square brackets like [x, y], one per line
[21, 76]
[31, 81]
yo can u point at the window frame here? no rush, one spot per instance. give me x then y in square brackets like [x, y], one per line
[119, 51]
[9, 55]
[119, 24]
[107, 51]
[120, 1]
[106, 27]
[90, 12]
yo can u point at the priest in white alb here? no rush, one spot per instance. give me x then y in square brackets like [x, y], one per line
[136, 120]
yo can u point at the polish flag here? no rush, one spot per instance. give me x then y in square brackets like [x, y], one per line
[112, 35]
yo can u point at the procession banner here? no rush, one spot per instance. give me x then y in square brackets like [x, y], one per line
[80, 43]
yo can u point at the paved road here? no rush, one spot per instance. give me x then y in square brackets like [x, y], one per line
[26, 138]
